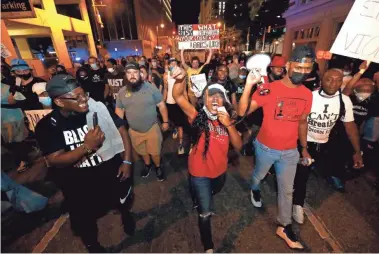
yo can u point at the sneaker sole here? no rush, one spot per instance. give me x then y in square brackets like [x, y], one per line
[160, 180]
[292, 245]
[145, 176]
[255, 203]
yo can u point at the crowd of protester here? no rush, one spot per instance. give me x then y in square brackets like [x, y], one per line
[287, 114]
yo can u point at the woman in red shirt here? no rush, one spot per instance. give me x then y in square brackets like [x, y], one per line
[212, 129]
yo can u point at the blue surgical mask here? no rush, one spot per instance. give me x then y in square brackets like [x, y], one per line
[242, 76]
[46, 101]
[141, 62]
[94, 66]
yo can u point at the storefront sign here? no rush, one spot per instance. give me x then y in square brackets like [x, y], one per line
[199, 36]
[359, 36]
[34, 116]
[5, 52]
[17, 9]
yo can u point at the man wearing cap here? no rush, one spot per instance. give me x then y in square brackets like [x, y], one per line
[277, 67]
[27, 98]
[286, 104]
[137, 102]
[240, 82]
[90, 184]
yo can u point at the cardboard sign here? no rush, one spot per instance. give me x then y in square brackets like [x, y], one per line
[359, 36]
[5, 52]
[17, 9]
[199, 82]
[199, 36]
[34, 116]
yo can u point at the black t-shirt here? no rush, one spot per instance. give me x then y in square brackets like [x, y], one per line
[240, 85]
[96, 87]
[156, 79]
[360, 109]
[31, 102]
[55, 132]
[373, 108]
[115, 82]
[229, 87]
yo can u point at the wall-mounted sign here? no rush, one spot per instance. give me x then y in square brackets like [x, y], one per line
[17, 9]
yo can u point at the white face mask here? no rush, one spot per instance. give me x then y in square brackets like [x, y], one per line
[362, 96]
[110, 70]
[154, 64]
[94, 66]
[346, 73]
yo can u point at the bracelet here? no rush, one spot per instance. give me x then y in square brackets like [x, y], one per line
[164, 122]
[127, 162]
[88, 151]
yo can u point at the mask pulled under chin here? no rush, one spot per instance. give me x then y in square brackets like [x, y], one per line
[209, 114]
[110, 70]
[298, 78]
[362, 96]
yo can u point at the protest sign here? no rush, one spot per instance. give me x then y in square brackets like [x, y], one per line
[34, 116]
[199, 36]
[199, 82]
[359, 36]
[5, 52]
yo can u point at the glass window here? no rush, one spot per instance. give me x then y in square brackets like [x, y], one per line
[317, 31]
[295, 35]
[302, 34]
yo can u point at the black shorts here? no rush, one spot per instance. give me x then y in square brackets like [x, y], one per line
[176, 115]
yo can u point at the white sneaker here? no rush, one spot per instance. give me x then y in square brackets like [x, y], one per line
[256, 199]
[298, 214]
[209, 251]
[175, 134]
[181, 149]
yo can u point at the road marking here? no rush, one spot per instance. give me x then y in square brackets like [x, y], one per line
[322, 230]
[41, 246]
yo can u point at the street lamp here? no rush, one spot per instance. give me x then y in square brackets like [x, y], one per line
[218, 24]
[162, 25]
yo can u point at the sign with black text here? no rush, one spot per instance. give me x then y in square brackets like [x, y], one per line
[199, 36]
[17, 9]
[34, 116]
[359, 36]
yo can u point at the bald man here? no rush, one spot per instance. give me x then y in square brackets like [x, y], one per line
[329, 106]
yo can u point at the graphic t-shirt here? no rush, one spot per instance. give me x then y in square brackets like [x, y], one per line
[31, 102]
[282, 109]
[55, 132]
[360, 109]
[216, 160]
[230, 88]
[97, 87]
[240, 85]
[140, 106]
[115, 83]
[324, 115]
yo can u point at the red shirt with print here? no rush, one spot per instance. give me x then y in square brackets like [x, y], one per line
[216, 161]
[282, 110]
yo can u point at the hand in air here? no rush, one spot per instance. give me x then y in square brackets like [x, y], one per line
[178, 73]
[253, 78]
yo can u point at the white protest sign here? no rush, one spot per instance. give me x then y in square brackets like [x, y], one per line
[359, 36]
[199, 82]
[199, 36]
[34, 116]
[5, 52]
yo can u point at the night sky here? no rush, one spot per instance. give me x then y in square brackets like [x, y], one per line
[185, 11]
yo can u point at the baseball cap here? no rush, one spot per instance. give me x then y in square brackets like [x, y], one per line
[301, 52]
[278, 61]
[61, 84]
[217, 88]
[132, 65]
[19, 65]
[172, 59]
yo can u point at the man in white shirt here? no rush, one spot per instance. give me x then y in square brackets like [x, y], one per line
[328, 107]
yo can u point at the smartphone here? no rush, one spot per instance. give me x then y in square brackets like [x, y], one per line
[95, 120]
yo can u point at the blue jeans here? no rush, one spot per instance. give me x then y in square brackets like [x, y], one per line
[285, 162]
[202, 190]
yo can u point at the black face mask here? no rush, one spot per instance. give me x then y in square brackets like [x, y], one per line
[83, 77]
[298, 78]
[276, 77]
[25, 76]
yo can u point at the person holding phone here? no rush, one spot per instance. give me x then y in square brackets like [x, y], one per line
[213, 130]
[90, 185]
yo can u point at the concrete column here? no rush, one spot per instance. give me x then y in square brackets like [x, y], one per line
[90, 39]
[7, 42]
[60, 47]
[287, 44]
[324, 39]
[23, 47]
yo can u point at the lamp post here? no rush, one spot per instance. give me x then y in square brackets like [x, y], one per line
[162, 26]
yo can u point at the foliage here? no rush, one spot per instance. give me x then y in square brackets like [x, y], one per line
[254, 6]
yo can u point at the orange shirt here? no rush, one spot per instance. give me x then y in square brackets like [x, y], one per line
[282, 110]
[216, 160]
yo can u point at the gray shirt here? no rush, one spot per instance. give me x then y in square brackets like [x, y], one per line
[140, 107]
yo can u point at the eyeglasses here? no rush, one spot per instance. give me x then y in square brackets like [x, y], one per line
[85, 96]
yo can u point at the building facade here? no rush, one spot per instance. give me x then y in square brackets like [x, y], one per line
[315, 23]
[51, 21]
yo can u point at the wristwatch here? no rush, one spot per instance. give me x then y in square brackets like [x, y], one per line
[88, 151]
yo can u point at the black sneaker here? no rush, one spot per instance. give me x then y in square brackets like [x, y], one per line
[146, 171]
[129, 223]
[287, 234]
[160, 173]
[256, 199]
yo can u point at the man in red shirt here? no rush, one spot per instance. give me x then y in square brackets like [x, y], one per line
[286, 104]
